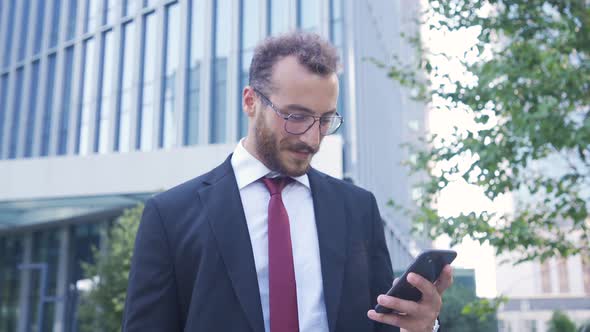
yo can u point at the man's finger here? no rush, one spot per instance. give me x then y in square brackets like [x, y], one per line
[445, 280]
[397, 304]
[424, 286]
[389, 319]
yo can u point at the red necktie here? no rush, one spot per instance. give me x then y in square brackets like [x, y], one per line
[281, 271]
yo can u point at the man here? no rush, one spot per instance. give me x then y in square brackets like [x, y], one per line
[263, 242]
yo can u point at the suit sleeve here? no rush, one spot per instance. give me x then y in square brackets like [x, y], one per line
[381, 270]
[151, 303]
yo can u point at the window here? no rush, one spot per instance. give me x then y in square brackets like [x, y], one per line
[146, 112]
[46, 252]
[8, 34]
[64, 116]
[109, 11]
[545, 277]
[11, 255]
[89, 72]
[48, 106]
[103, 115]
[32, 114]
[16, 111]
[308, 17]
[54, 36]
[586, 272]
[563, 273]
[129, 8]
[128, 57]
[149, 3]
[3, 102]
[72, 17]
[170, 95]
[336, 35]
[222, 46]
[250, 36]
[279, 16]
[197, 40]
[39, 27]
[24, 28]
[530, 325]
[92, 14]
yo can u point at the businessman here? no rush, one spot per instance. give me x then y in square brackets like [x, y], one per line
[264, 242]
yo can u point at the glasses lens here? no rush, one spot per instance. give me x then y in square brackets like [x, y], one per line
[298, 124]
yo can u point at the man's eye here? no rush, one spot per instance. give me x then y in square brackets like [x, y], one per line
[297, 117]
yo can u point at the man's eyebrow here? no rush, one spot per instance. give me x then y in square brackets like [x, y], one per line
[297, 107]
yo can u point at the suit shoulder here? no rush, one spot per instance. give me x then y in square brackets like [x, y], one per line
[346, 187]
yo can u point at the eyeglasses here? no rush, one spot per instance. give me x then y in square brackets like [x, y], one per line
[299, 124]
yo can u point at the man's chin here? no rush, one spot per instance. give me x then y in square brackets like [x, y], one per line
[296, 171]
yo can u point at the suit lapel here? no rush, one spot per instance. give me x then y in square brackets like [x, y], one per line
[226, 216]
[332, 230]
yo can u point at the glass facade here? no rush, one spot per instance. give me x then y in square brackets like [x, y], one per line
[278, 17]
[308, 18]
[8, 34]
[31, 115]
[55, 20]
[17, 102]
[220, 62]
[48, 106]
[3, 102]
[103, 116]
[196, 53]
[87, 99]
[24, 28]
[168, 116]
[146, 111]
[72, 17]
[39, 20]
[64, 115]
[11, 255]
[126, 91]
[250, 35]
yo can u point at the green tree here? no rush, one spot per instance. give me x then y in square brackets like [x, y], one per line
[101, 308]
[560, 322]
[525, 89]
[455, 318]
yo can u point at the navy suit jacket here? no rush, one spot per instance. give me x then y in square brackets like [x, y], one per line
[193, 267]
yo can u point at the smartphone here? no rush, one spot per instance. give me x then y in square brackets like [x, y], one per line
[428, 264]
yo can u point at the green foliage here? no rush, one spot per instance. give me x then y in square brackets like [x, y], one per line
[525, 89]
[101, 309]
[463, 311]
[560, 322]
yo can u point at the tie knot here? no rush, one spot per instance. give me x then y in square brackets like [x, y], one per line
[276, 185]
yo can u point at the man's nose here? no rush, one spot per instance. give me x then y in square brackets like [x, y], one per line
[312, 137]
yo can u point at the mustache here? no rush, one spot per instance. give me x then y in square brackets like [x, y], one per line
[302, 147]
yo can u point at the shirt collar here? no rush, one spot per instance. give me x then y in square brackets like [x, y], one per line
[248, 169]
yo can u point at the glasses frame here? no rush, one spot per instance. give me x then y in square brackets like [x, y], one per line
[286, 116]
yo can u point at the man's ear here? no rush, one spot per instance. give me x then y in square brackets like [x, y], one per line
[249, 101]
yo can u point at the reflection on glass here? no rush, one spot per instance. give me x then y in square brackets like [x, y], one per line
[197, 37]
[130, 7]
[146, 112]
[48, 106]
[24, 21]
[72, 17]
[309, 15]
[54, 36]
[279, 16]
[39, 19]
[83, 238]
[92, 14]
[8, 34]
[104, 111]
[172, 40]
[16, 111]
[87, 99]
[64, 114]
[32, 114]
[126, 93]
[337, 37]
[250, 27]
[149, 3]
[11, 255]
[45, 252]
[3, 102]
[109, 11]
[222, 45]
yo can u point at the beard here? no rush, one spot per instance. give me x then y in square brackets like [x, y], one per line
[269, 146]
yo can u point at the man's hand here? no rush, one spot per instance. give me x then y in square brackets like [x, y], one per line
[417, 316]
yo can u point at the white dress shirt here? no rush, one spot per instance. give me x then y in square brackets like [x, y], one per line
[306, 252]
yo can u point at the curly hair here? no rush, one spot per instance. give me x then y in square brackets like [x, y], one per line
[311, 50]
